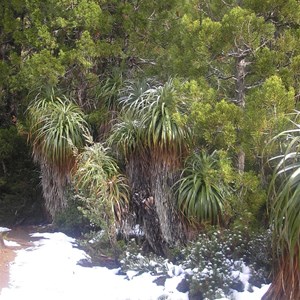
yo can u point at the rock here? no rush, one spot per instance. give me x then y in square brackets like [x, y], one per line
[120, 272]
[183, 286]
[85, 263]
[196, 296]
[253, 280]
[161, 280]
[238, 286]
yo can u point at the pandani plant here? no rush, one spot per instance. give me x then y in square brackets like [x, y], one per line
[102, 188]
[285, 217]
[154, 143]
[201, 191]
[56, 125]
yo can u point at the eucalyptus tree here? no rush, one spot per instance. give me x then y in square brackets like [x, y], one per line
[285, 218]
[154, 143]
[57, 125]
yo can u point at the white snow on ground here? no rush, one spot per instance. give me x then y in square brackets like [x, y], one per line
[256, 294]
[48, 270]
[8, 243]
[11, 244]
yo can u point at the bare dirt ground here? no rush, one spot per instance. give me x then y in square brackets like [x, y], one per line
[21, 236]
[7, 255]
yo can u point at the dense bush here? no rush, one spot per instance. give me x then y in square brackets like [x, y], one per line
[217, 257]
[212, 259]
[212, 263]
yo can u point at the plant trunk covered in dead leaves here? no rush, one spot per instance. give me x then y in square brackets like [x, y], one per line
[154, 204]
[286, 281]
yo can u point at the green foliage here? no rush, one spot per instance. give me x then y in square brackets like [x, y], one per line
[20, 195]
[242, 28]
[126, 135]
[56, 127]
[248, 201]
[71, 220]
[148, 121]
[202, 191]
[212, 263]
[217, 257]
[216, 124]
[283, 11]
[40, 70]
[284, 193]
[265, 117]
[109, 89]
[102, 189]
[163, 133]
[7, 138]
[132, 259]
[214, 278]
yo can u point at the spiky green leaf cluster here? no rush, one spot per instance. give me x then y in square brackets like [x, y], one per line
[285, 194]
[201, 191]
[148, 120]
[98, 179]
[56, 126]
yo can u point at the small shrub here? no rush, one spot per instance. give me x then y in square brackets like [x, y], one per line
[98, 245]
[133, 260]
[258, 256]
[71, 220]
[216, 256]
[212, 263]
[211, 260]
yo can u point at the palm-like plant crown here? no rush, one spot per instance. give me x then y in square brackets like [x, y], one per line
[56, 125]
[201, 192]
[148, 121]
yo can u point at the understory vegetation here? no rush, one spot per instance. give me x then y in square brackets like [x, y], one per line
[211, 263]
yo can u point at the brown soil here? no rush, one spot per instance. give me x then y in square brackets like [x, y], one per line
[7, 255]
[21, 236]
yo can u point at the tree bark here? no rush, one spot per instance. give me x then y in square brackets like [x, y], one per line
[143, 205]
[240, 80]
[241, 161]
[53, 185]
[240, 100]
[171, 226]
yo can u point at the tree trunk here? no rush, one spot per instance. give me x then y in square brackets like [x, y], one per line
[143, 205]
[162, 180]
[286, 283]
[240, 100]
[53, 185]
[240, 80]
[241, 161]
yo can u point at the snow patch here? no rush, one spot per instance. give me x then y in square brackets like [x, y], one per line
[11, 244]
[49, 270]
